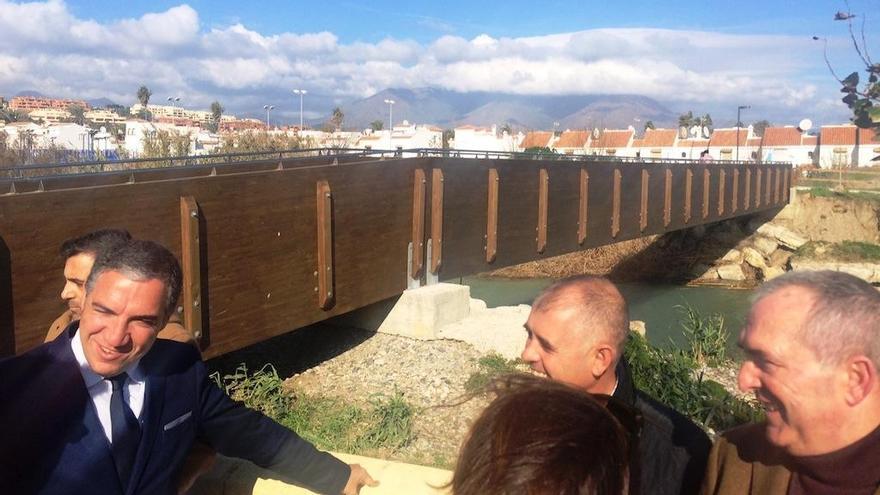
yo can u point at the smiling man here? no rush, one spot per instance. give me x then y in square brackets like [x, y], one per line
[576, 333]
[106, 408]
[812, 351]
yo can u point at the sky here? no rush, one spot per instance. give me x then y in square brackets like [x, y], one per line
[698, 56]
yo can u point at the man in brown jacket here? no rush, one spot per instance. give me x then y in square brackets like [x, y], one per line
[812, 351]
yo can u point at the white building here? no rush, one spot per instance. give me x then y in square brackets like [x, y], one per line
[468, 137]
[788, 144]
[842, 146]
[137, 131]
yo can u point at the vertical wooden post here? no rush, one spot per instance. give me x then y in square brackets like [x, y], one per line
[767, 185]
[747, 193]
[436, 220]
[190, 260]
[734, 198]
[777, 192]
[688, 194]
[615, 204]
[722, 178]
[643, 210]
[583, 200]
[667, 199]
[786, 189]
[324, 198]
[492, 217]
[757, 187]
[705, 192]
[418, 223]
[543, 200]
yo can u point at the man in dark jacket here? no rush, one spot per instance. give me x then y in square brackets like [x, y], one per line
[576, 333]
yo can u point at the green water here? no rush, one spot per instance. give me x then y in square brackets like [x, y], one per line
[656, 305]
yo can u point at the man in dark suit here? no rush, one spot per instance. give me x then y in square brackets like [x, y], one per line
[106, 408]
[576, 334]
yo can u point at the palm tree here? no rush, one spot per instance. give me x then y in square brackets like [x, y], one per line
[143, 96]
[337, 118]
[216, 113]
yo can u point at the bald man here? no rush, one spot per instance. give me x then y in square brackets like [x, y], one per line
[576, 334]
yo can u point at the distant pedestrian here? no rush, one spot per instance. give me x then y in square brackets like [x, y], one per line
[705, 156]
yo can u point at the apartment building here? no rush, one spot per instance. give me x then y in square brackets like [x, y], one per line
[658, 143]
[173, 112]
[27, 104]
[536, 139]
[469, 137]
[102, 116]
[788, 144]
[49, 115]
[847, 146]
[613, 142]
[733, 144]
[572, 143]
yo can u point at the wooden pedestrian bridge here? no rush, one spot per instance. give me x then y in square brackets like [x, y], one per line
[271, 242]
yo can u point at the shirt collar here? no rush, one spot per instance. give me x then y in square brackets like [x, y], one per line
[90, 377]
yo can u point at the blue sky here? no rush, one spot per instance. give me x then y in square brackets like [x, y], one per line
[688, 55]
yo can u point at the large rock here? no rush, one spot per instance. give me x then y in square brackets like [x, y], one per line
[771, 272]
[704, 272]
[733, 256]
[782, 235]
[780, 258]
[870, 272]
[754, 258]
[731, 272]
[765, 245]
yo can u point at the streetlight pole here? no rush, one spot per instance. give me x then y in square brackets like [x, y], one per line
[268, 108]
[739, 110]
[390, 120]
[300, 92]
[173, 100]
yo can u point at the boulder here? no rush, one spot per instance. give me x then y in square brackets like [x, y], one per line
[638, 327]
[733, 272]
[772, 272]
[733, 256]
[780, 258]
[869, 272]
[754, 258]
[765, 245]
[784, 236]
[704, 272]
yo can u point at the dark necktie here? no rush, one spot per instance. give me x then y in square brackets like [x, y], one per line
[126, 431]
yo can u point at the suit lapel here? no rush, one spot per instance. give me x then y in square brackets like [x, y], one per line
[154, 400]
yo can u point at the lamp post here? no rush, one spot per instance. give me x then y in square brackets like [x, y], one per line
[390, 119]
[173, 100]
[300, 92]
[268, 108]
[739, 110]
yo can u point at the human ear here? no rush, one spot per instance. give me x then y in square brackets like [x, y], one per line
[861, 378]
[603, 359]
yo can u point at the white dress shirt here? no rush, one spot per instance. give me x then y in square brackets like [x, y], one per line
[100, 389]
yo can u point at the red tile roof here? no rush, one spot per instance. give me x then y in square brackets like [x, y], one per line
[693, 143]
[572, 139]
[638, 143]
[754, 141]
[536, 140]
[659, 137]
[845, 135]
[727, 137]
[782, 136]
[811, 140]
[613, 139]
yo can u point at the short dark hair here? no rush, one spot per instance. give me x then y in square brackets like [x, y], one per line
[94, 243]
[598, 304]
[142, 260]
[542, 437]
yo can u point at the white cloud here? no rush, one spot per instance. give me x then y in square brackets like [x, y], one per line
[44, 47]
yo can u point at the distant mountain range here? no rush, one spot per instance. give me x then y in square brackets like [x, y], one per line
[449, 108]
[94, 103]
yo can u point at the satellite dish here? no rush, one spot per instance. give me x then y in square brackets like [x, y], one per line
[595, 133]
[805, 125]
[704, 131]
[683, 132]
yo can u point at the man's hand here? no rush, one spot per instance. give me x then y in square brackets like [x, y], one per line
[358, 478]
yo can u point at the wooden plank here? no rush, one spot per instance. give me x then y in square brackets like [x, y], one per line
[706, 178]
[688, 194]
[667, 197]
[615, 204]
[734, 198]
[436, 220]
[418, 223]
[543, 200]
[492, 216]
[758, 187]
[722, 183]
[786, 190]
[324, 271]
[643, 209]
[767, 185]
[777, 191]
[191, 264]
[583, 202]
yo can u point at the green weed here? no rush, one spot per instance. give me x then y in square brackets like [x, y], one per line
[847, 251]
[489, 367]
[706, 336]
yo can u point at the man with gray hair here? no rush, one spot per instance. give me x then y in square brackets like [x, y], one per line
[107, 408]
[812, 351]
[577, 330]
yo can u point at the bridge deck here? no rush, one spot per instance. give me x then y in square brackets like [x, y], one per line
[271, 245]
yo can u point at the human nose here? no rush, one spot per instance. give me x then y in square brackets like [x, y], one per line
[116, 333]
[747, 379]
[529, 354]
[67, 292]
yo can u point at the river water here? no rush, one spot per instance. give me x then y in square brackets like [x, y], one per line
[658, 305]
